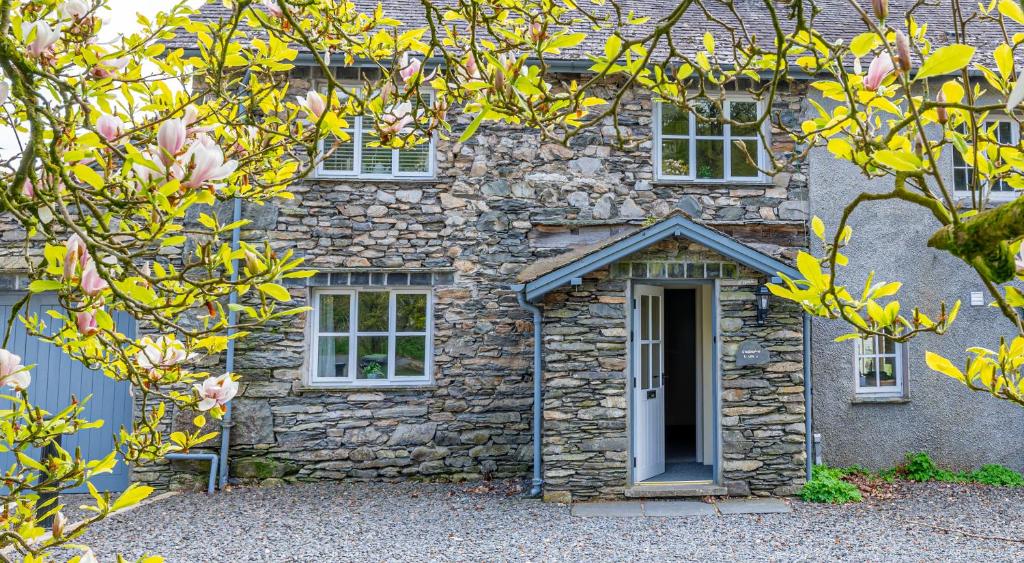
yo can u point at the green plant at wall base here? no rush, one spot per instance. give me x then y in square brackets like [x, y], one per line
[997, 476]
[920, 467]
[827, 486]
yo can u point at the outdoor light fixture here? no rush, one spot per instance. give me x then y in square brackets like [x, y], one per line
[761, 297]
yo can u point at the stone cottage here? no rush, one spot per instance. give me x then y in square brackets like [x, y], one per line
[591, 315]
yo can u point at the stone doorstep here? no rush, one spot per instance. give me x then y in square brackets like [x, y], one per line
[676, 490]
[680, 508]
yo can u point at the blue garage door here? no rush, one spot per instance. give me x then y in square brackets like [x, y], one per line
[57, 377]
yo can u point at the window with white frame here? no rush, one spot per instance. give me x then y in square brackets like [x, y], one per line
[357, 158]
[879, 365]
[373, 337]
[690, 148]
[1006, 133]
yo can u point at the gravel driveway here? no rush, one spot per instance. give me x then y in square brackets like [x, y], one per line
[418, 522]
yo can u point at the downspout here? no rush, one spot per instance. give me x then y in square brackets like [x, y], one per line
[538, 351]
[229, 358]
[807, 395]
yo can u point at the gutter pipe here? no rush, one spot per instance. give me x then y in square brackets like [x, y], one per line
[229, 359]
[538, 346]
[212, 458]
[809, 436]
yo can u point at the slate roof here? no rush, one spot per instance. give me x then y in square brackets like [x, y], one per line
[837, 21]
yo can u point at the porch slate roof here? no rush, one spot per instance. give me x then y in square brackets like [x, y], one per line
[547, 274]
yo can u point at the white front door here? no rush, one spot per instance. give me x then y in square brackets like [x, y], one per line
[648, 381]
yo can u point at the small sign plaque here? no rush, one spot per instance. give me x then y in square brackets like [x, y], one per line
[751, 353]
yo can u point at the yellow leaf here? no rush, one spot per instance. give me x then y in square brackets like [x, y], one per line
[276, 291]
[946, 60]
[943, 366]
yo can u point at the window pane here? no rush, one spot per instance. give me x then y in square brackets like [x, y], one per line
[332, 357]
[960, 178]
[334, 312]
[1004, 133]
[888, 346]
[372, 357]
[868, 346]
[710, 159]
[645, 366]
[410, 312]
[741, 167]
[373, 311]
[376, 160]
[343, 157]
[887, 371]
[675, 157]
[656, 317]
[645, 317]
[709, 110]
[866, 370]
[410, 355]
[745, 112]
[656, 365]
[415, 159]
[674, 121]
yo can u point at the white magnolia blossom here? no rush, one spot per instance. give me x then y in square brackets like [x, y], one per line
[208, 162]
[12, 373]
[165, 352]
[75, 9]
[216, 391]
[44, 37]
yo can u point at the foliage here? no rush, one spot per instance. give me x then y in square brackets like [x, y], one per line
[827, 486]
[919, 467]
[997, 476]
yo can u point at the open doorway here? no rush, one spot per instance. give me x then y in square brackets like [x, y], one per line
[681, 425]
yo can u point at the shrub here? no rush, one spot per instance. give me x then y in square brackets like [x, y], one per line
[827, 486]
[998, 476]
[920, 467]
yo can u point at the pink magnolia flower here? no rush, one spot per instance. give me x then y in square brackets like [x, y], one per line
[272, 8]
[108, 68]
[877, 71]
[27, 189]
[75, 253]
[208, 163]
[216, 391]
[75, 9]
[472, 70]
[92, 284]
[109, 126]
[314, 103]
[12, 373]
[191, 115]
[396, 119]
[43, 37]
[171, 139]
[86, 322]
[165, 352]
[410, 70]
[940, 112]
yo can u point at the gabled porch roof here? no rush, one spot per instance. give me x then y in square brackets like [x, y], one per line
[551, 273]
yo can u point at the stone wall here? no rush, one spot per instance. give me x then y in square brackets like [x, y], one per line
[586, 440]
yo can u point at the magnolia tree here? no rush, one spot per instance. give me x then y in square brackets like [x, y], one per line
[124, 147]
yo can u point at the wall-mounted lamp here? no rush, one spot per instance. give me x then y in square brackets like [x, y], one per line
[761, 298]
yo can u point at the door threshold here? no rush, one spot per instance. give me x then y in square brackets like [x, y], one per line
[657, 483]
[675, 489]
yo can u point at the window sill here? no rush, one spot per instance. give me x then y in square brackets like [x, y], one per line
[711, 185]
[304, 388]
[399, 180]
[879, 400]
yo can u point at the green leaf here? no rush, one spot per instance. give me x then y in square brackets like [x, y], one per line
[901, 161]
[88, 175]
[39, 286]
[132, 495]
[472, 127]
[942, 365]
[276, 291]
[946, 60]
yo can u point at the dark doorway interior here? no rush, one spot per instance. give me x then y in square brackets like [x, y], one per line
[681, 398]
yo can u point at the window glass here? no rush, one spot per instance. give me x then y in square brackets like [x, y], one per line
[879, 363]
[715, 151]
[388, 340]
[963, 173]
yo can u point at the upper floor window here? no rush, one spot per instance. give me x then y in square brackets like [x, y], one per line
[357, 158]
[688, 148]
[880, 366]
[1006, 133]
[370, 337]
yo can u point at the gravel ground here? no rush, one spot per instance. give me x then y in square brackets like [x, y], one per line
[420, 522]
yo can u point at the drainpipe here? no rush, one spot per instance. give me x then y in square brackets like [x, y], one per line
[212, 458]
[809, 437]
[229, 359]
[538, 351]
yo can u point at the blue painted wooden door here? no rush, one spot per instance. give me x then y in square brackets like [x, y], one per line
[57, 377]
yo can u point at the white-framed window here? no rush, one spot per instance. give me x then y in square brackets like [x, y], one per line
[687, 148]
[371, 337]
[879, 366]
[1007, 133]
[355, 158]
